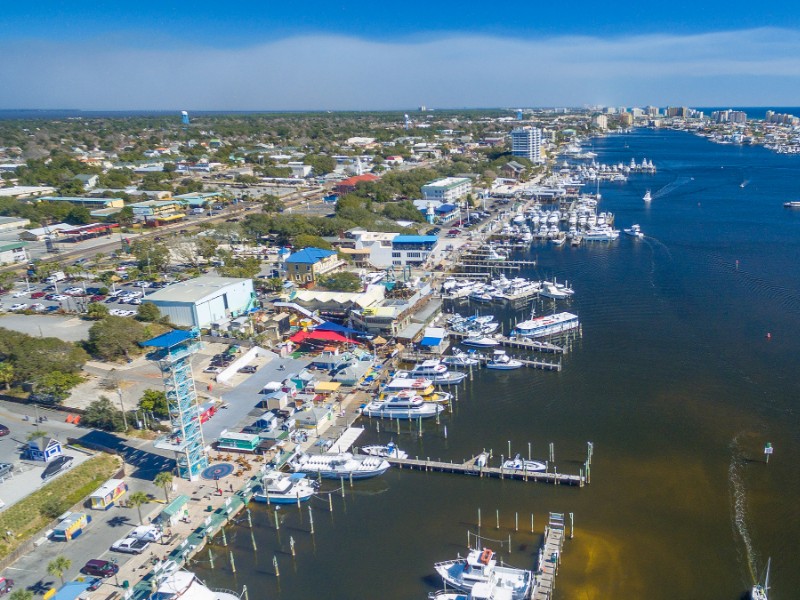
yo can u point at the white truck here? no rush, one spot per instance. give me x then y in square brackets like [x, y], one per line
[56, 276]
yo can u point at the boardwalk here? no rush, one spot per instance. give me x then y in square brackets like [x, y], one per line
[550, 557]
[469, 468]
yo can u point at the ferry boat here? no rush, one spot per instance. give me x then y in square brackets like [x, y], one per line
[390, 450]
[760, 591]
[480, 566]
[503, 362]
[634, 231]
[186, 586]
[647, 196]
[404, 405]
[546, 325]
[341, 465]
[519, 464]
[282, 488]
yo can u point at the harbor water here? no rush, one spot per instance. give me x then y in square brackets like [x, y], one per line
[685, 369]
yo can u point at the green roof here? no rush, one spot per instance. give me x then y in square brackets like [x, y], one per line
[175, 506]
[12, 246]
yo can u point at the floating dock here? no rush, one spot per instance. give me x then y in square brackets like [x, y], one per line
[346, 440]
[469, 468]
[516, 343]
[549, 557]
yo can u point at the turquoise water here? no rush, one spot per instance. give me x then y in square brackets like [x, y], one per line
[674, 380]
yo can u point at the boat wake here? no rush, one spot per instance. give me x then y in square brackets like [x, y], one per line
[761, 287]
[671, 187]
[739, 504]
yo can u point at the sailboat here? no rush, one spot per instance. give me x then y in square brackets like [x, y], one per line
[759, 591]
[647, 197]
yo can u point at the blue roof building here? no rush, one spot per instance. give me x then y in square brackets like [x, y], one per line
[309, 256]
[306, 266]
[412, 250]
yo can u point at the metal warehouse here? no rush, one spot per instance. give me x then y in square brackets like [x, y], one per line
[205, 300]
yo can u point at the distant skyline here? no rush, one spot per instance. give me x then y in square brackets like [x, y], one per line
[337, 56]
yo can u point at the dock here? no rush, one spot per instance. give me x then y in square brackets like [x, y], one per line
[533, 364]
[549, 557]
[508, 342]
[346, 440]
[469, 468]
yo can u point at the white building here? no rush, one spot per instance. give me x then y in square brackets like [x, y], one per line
[413, 250]
[203, 301]
[379, 244]
[601, 121]
[12, 253]
[527, 142]
[449, 189]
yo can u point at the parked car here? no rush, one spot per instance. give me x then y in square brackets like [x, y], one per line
[6, 585]
[19, 294]
[4, 430]
[58, 464]
[19, 306]
[36, 295]
[97, 298]
[148, 533]
[214, 370]
[130, 546]
[248, 369]
[100, 568]
[6, 469]
[37, 307]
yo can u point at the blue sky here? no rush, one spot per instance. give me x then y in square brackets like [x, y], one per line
[358, 55]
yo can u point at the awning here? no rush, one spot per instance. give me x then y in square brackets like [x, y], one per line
[320, 336]
[430, 341]
[327, 386]
[330, 326]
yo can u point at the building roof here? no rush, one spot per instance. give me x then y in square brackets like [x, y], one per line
[320, 336]
[358, 179]
[79, 199]
[445, 208]
[194, 290]
[169, 339]
[309, 256]
[12, 246]
[415, 239]
[447, 182]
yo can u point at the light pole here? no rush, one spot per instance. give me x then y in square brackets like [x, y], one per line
[122, 407]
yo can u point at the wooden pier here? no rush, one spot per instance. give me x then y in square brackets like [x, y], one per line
[470, 468]
[516, 343]
[549, 557]
[532, 364]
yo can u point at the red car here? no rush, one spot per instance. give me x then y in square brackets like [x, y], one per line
[37, 295]
[97, 298]
[6, 585]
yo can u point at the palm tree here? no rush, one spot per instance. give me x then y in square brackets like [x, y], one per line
[21, 594]
[6, 373]
[137, 499]
[164, 480]
[58, 566]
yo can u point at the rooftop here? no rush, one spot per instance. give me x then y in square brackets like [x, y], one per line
[194, 290]
[309, 256]
[447, 182]
[415, 239]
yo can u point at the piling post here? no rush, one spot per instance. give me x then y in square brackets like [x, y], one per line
[275, 564]
[224, 539]
[233, 564]
[378, 426]
[311, 520]
[479, 521]
[291, 545]
[497, 518]
[552, 452]
[330, 502]
[249, 519]
[420, 427]
[277, 522]
[351, 479]
[253, 539]
[571, 525]
[509, 449]
[531, 522]
[245, 594]
[398, 425]
[210, 557]
[516, 521]
[445, 432]
[580, 478]
[529, 450]
[509, 543]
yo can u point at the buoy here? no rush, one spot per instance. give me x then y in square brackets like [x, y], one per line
[769, 336]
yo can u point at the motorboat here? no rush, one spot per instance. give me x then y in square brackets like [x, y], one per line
[480, 342]
[282, 488]
[460, 359]
[647, 196]
[760, 590]
[480, 566]
[444, 378]
[633, 231]
[551, 290]
[428, 368]
[503, 362]
[405, 405]
[389, 450]
[421, 385]
[546, 325]
[340, 465]
[519, 464]
[792, 204]
[479, 591]
[601, 234]
[184, 585]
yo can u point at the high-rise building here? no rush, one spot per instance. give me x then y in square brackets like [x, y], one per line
[527, 142]
[601, 121]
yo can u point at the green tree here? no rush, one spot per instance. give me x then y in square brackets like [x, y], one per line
[6, 374]
[53, 507]
[58, 566]
[150, 256]
[322, 163]
[96, 311]
[207, 247]
[156, 402]
[243, 267]
[305, 240]
[125, 216]
[342, 282]
[102, 414]
[21, 594]
[148, 312]
[116, 337]
[164, 480]
[57, 384]
[271, 204]
[137, 499]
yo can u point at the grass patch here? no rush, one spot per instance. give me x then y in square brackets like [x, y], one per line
[26, 517]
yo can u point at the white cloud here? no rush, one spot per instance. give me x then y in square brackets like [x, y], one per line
[748, 67]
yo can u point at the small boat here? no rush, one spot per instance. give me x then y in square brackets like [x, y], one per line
[186, 586]
[480, 591]
[634, 231]
[390, 450]
[792, 204]
[281, 488]
[503, 362]
[480, 342]
[647, 197]
[519, 464]
[480, 566]
[340, 465]
[405, 405]
[760, 591]
[460, 359]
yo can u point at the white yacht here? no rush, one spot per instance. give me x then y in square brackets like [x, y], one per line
[546, 325]
[186, 586]
[390, 450]
[341, 465]
[405, 405]
[551, 290]
[647, 196]
[480, 342]
[480, 566]
[460, 359]
[444, 378]
[281, 488]
[634, 231]
[519, 464]
[601, 234]
[503, 362]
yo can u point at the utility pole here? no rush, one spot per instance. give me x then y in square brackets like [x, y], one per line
[122, 408]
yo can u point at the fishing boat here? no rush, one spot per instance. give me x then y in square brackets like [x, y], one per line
[186, 586]
[390, 450]
[760, 591]
[634, 231]
[519, 464]
[551, 290]
[282, 488]
[422, 386]
[405, 405]
[480, 566]
[647, 196]
[460, 359]
[444, 378]
[340, 465]
[479, 591]
[503, 362]
[480, 342]
[546, 325]
[792, 204]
